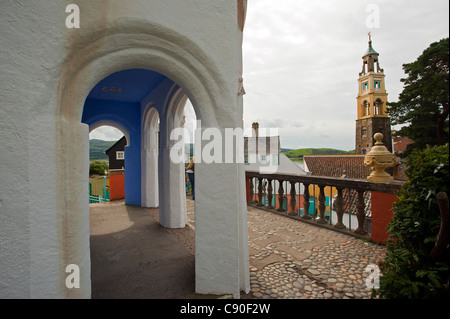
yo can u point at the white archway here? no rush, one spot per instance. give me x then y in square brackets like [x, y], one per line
[149, 158]
[221, 232]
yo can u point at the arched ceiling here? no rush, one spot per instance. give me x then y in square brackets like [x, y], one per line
[126, 86]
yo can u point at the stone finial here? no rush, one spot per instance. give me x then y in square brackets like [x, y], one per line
[379, 158]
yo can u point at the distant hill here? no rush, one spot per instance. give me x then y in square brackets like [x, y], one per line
[315, 151]
[97, 149]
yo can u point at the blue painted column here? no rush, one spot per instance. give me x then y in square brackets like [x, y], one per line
[133, 170]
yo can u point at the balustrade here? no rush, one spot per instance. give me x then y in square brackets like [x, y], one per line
[311, 210]
[269, 194]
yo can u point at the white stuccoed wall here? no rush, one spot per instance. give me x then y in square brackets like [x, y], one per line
[47, 72]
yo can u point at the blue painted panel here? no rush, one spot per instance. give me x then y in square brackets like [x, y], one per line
[126, 86]
[312, 206]
[133, 171]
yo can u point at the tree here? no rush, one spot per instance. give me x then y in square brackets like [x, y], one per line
[98, 168]
[423, 105]
[410, 269]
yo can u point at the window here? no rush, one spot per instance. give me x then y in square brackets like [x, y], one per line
[276, 159]
[366, 108]
[263, 158]
[378, 107]
[365, 86]
[363, 132]
[120, 155]
[377, 84]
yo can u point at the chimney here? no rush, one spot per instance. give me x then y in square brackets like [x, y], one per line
[255, 129]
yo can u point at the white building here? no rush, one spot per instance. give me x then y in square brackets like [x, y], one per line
[53, 56]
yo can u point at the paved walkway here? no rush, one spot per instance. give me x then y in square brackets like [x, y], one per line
[288, 258]
[292, 259]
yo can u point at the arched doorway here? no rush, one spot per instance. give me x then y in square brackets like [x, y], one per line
[107, 162]
[135, 45]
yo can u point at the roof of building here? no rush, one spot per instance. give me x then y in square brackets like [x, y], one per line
[400, 143]
[351, 166]
[370, 50]
[285, 166]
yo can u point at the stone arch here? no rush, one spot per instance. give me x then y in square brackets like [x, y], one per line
[149, 156]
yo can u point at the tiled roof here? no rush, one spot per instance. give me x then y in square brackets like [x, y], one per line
[352, 166]
[400, 143]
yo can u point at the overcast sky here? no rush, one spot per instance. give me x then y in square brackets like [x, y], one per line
[302, 59]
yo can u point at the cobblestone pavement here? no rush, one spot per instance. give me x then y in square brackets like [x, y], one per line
[292, 259]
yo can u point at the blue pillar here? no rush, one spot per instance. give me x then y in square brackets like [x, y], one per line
[133, 170]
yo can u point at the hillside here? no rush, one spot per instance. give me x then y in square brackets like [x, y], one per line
[97, 149]
[315, 151]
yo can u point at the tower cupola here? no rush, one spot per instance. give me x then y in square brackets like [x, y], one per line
[370, 60]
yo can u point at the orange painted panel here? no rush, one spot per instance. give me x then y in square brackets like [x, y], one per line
[381, 215]
[117, 186]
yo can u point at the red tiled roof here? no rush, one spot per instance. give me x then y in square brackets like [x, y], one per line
[400, 143]
[337, 165]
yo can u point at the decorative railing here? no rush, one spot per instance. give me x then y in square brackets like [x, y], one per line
[98, 190]
[282, 193]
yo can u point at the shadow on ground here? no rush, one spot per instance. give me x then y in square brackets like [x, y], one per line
[132, 256]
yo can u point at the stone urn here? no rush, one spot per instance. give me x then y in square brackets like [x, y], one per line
[379, 158]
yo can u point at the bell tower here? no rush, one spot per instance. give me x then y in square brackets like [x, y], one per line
[372, 114]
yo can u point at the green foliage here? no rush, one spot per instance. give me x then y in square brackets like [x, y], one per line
[98, 168]
[315, 151]
[408, 271]
[423, 105]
